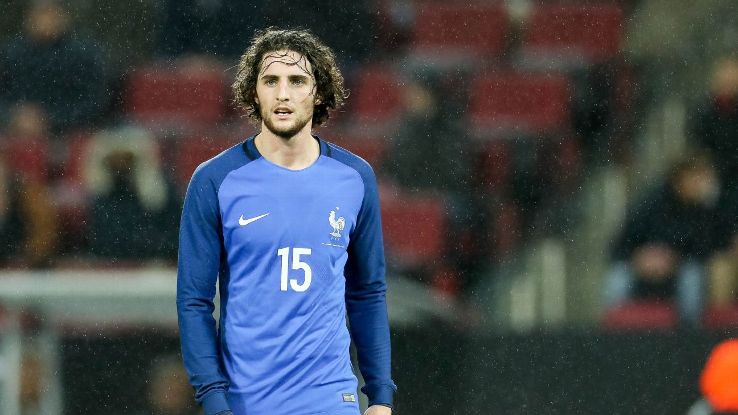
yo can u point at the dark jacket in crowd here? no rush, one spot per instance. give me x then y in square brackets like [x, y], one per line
[716, 130]
[66, 76]
[693, 231]
[123, 228]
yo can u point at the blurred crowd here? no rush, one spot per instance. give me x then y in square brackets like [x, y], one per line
[481, 119]
[679, 243]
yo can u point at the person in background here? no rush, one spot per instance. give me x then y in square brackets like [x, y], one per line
[666, 239]
[33, 382]
[28, 227]
[205, 28]
[133, 203]
[169, 393]
[54, 68]
[716, 121]
[431, 152]
[714, 130]
[352, 31]
[723, 276]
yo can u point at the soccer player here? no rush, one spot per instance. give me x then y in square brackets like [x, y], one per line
[290, 225]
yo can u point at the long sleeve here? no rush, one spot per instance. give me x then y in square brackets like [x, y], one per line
[365, 299]
[200, 255]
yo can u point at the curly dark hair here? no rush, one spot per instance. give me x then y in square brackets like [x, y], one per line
[328, 78]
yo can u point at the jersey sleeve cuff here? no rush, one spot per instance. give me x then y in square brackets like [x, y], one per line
[380, 394]
[215, 403]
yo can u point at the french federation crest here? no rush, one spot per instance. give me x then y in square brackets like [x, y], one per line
[336, 224]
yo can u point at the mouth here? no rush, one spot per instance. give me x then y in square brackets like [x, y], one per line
[282, 112]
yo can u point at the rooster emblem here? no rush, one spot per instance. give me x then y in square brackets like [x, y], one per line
[336, 224]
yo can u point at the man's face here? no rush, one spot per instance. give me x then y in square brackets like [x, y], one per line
[285, 92]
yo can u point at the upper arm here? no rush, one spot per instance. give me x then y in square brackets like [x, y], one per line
[366, 266]
[200, 246]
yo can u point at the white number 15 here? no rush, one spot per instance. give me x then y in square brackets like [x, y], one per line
[296, 264]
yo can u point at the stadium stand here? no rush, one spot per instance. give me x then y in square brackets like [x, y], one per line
[176, 98]
[505, 102]
[450, 32]
[641, 315]
[375, 99]
[413, 227]
[570, 34]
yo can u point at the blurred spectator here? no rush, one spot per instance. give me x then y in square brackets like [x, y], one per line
[33, 378]
[28, 226]
[352, 30]
[50, 66]
[169, 391]
[431, 152]
[723, 282]
[717, 120]
[134, 207]
[207, 27]
[666, 239]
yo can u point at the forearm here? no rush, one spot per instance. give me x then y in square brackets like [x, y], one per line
[367, 312]
[200, 353]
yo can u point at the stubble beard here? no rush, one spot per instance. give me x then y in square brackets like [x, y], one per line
[286, 132]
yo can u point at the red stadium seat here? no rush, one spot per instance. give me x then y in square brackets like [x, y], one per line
[176, 98]
[721, 318]
[641, 315]
[376, 99]
[574, 32]
[505, 102]
[414, 228]
[459, 29]
[190, 152]
[370, 148]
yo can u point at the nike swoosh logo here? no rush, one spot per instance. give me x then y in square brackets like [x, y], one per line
[244, 222]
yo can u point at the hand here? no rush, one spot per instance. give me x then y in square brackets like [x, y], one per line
[378, 410]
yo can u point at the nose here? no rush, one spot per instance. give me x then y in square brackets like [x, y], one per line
[282, 92]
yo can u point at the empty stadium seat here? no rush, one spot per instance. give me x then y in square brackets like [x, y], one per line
[414, 228]
[176, 98]
[641, 315]
[446, 30]
[573, 33]
[533, 103]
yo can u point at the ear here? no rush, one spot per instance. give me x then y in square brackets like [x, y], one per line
[256, 99]
[317, 100]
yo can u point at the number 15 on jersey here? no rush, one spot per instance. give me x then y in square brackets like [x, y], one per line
[297, 264]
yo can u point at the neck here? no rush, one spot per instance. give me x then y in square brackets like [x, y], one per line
[294, 153]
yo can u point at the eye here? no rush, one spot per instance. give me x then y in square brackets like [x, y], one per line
[270, 82]
[298, 82]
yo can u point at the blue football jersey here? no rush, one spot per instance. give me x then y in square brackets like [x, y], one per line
[295, 251]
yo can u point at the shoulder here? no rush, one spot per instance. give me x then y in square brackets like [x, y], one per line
[352, 161]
